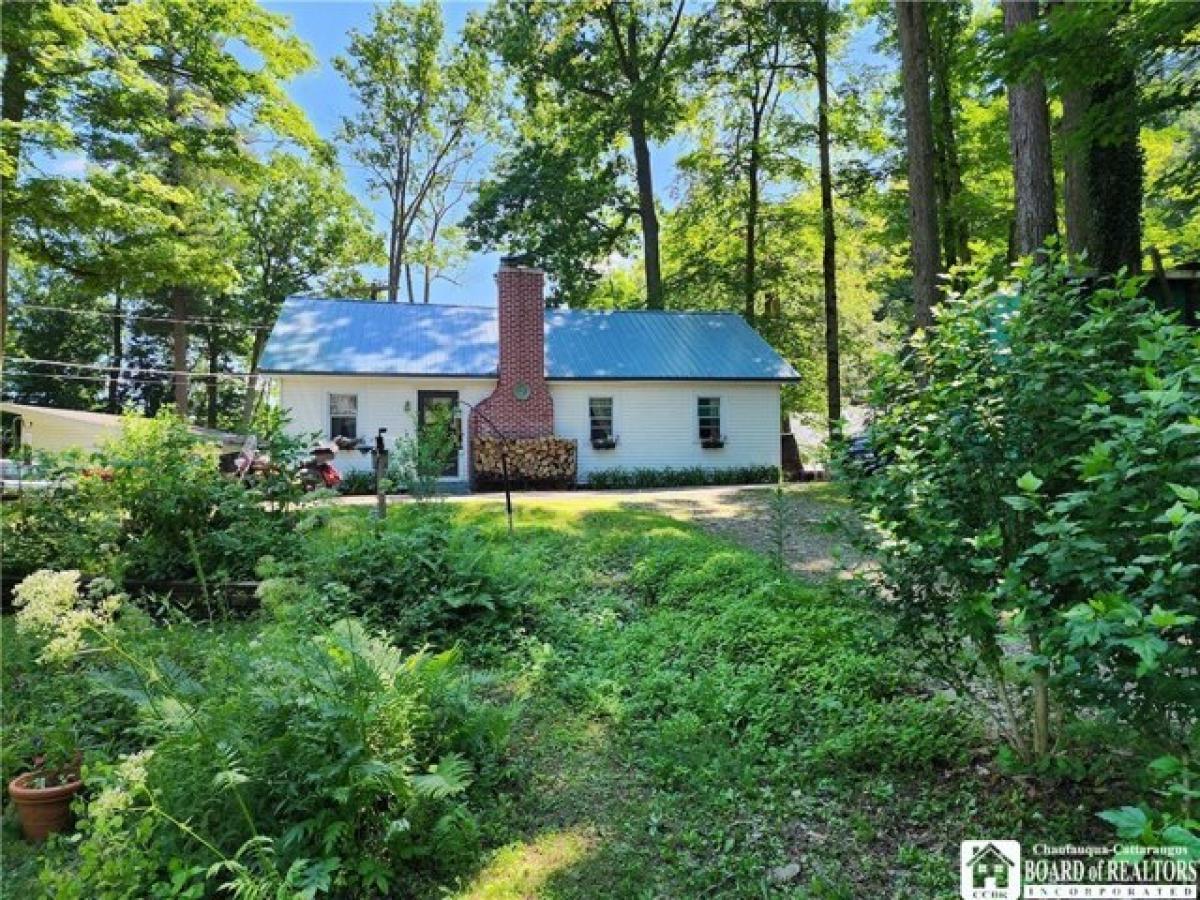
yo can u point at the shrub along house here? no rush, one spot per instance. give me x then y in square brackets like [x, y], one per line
[567, 393]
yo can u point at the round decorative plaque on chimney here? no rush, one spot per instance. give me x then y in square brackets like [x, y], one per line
[521, 391]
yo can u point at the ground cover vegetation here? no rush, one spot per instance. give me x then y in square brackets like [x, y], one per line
[608, 702]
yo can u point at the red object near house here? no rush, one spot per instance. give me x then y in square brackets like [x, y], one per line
[329, 475]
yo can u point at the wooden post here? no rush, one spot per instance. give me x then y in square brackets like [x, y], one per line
[1160, 274]
[381, 465]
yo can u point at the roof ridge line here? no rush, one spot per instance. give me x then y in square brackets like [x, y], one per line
[383, 303]
[549, 309]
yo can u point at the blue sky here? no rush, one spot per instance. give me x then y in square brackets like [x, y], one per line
[326, 25]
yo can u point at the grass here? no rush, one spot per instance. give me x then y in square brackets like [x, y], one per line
[695, 723]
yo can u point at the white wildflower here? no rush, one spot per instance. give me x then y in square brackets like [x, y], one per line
[50, 607]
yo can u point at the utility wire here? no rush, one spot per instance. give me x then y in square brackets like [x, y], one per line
[171, 372]
[206, 322]
[134, 378]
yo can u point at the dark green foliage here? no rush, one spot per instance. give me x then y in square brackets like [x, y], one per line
[270, 759]
[619, 478]
[357, 483]
[419, 577]
[181, 518]
[60, 527]
[50, 712]
[152, 505]
[1038, 504]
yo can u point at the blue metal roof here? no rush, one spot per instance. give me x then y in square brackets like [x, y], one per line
[355, 337]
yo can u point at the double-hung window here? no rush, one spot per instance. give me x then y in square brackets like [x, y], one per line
[708, 418]
[600, 415]
[343, 416]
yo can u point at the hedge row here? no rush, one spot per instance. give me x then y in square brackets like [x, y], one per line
[621, 478]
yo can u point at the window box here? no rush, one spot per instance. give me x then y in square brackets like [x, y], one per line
[604, 443]
[713, 443]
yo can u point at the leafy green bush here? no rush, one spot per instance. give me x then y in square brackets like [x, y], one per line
[357, 483]
[65, 527]
[1038, 508]
[152, 504]
[625, 479]
[180, 516]
[420, 577]
[305, 760]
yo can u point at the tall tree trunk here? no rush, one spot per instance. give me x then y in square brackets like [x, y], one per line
[922, 200]
[14, 97]
[251, 396]
[833, 378]
[116, 354]
[178, 294]
[948, 168]
[179, 348]
[1076, 150]
[1029, 141]
[214, 361]
[1116, 172]
[394, 257]
[750, 276]
[649, 215]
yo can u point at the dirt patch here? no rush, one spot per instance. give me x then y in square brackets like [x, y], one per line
[813, 521]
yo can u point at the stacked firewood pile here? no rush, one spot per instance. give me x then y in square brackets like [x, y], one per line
[544, 461]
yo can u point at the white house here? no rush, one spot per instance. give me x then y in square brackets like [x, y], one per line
[634, 389]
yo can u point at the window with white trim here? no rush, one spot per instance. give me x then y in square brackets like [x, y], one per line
[600, 415]
[708, 417]
[343, 416]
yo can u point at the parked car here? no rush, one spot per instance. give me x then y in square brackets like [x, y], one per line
[862, 455]
[17, 476]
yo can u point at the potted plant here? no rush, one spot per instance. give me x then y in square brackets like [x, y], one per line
[43, 795]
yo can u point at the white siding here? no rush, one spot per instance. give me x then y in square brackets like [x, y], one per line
[57, 433]
[656, 427]
[654, 421]
[389, 403]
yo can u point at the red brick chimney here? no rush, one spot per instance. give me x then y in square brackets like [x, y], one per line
[520, 406]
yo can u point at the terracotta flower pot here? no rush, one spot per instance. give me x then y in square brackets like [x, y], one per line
[46, 810]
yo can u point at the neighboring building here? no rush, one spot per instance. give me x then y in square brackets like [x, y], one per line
[634, 389]
[55, 430]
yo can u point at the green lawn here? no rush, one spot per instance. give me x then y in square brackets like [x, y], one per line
[696, 723]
